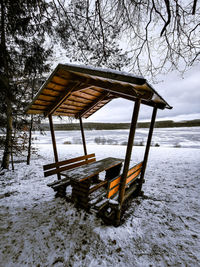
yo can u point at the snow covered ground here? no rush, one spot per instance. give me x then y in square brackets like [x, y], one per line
[163, 229]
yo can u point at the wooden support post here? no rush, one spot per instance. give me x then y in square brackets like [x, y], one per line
[83, 136]
[141, 180]
[53, 142]
[128, 156]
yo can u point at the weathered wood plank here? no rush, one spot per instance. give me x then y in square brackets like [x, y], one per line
[113, 191]
[135, 168]
[132, 177]
[85, 172]
[72, 166]
[96, 187]
[68, 161]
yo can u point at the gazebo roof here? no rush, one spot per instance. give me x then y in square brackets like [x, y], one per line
[79, 91]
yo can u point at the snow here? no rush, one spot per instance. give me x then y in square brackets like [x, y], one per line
[182, 136]
[161, 229]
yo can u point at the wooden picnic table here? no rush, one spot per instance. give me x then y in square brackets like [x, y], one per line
[90, 170]
[82, 177]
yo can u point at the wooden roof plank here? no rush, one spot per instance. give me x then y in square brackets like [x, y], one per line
[61, 99]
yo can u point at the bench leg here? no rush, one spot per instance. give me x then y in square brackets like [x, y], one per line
[80, 194]
[108, 214]
[61, 191]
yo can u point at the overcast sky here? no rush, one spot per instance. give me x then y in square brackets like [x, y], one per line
[181, 93]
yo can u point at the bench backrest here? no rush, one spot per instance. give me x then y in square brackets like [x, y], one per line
[114, 184]
[64, 165]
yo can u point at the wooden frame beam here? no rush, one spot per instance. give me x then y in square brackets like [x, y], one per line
[53, 142]
[83, 136]
[143, 101]
[128, 156]
[153, 119]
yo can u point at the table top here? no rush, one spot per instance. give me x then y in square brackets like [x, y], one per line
[89, 170]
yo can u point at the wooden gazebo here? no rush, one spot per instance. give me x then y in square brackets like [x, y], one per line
[78, 92]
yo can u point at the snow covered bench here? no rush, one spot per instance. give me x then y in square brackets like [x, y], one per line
[59, 167]
[107, 205]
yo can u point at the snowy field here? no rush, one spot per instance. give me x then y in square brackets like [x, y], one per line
[168, 137]
[163, 229]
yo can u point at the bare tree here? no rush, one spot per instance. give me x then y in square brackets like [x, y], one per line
[163, 35]
[159, 35]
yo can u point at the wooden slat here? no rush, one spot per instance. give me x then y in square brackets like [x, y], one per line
[43, 102]
[47, 97]
[79, 99]
[69, 102]
[59, 84]
[133, 173]
[96, 89]
[113, 191]
[72, 166]
[114, 182]
[39, 107]
[72, 108]
[133, 176]
[63, 114]
[35, 111]
[83, 95]
[135, 168]
[94, 188]
[60, 80]
[51, 92]
[72, 111]
[91, 92]
[68, 161]
[56, 86]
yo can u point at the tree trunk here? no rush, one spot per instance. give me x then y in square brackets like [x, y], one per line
[8, 141]
[30, 141]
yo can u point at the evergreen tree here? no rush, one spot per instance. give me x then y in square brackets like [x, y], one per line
[23, 49]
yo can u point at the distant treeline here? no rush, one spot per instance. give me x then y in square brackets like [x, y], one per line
[120, 126]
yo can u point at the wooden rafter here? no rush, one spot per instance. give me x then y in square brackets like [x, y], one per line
[92, 105]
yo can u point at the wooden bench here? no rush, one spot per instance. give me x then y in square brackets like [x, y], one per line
[59, 167]
[114, 184]
[107, 206]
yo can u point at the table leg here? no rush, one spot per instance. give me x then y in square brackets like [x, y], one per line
[113, 172]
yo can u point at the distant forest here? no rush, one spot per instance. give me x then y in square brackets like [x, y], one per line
[120, 126]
